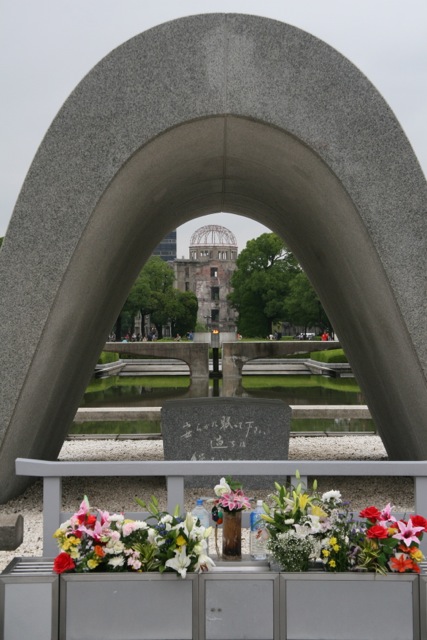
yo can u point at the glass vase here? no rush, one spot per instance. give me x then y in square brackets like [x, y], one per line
[232, 535]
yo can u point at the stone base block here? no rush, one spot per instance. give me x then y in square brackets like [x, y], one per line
[11, 532]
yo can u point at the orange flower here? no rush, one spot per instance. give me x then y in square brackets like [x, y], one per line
[99, 551]
[402, 563]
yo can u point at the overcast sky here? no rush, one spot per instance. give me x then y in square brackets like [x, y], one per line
[47, 46]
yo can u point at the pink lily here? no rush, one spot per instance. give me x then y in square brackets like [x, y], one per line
[386, 514]
[80, 515]
[407, 532]
[105, 516]
[96, 533]
[235, 500]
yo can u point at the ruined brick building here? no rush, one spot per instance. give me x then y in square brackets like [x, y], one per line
[207, 272]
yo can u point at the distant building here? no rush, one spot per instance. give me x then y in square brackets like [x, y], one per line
[166, 250]
[212, 261]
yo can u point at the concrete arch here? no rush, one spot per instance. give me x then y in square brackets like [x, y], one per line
[216, 112]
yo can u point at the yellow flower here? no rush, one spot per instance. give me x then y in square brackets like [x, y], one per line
[332, 563]
[180, 541]
[417, 555]
[325, 552]
[317, 511]
[336, 547]
[303, 500]
[92, 564]
[333, 541]
[69, 542]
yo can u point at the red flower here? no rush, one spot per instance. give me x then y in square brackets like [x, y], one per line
[63, 563]
[371, 513]
[90, 520]
[419, 521]
[377, 532]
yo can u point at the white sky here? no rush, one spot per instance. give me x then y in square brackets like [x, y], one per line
[47, 46]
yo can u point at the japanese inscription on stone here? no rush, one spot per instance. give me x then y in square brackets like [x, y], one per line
[225, 429]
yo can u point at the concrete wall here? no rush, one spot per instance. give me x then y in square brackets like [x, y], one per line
[217, 112]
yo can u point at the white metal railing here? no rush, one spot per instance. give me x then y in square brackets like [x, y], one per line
[176, 471]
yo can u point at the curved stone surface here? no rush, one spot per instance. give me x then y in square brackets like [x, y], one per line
[213, 113]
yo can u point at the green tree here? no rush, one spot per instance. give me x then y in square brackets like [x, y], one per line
[153, 294]
[269, 286]
[302, 305]
[186, 316]
[148, 293]
[261, 283]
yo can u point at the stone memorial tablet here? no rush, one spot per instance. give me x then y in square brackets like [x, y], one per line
[226, 429]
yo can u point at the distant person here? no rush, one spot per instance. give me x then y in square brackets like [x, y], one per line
[325, 336]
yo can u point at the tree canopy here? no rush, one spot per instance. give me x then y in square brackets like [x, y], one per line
[269, 286]
[153, 294]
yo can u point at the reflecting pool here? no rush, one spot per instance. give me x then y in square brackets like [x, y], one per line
[123, 391]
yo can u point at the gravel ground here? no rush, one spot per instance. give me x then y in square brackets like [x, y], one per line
[118, 494]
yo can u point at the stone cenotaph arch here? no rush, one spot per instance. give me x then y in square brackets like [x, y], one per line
[218, 112]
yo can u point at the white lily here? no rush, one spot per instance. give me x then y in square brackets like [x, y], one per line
[222, 487]
[152, 535]
[207, 532]
[203, 563]
[189, 522]
[315, 524]
[199, 548]
[180, 562]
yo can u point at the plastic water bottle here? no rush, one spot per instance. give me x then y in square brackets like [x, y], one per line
[200, 512]
[259, 533]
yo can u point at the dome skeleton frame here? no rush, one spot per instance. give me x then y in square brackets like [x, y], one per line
[213, 235]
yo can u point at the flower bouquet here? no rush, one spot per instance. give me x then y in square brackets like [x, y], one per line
[308, 529]
[387, 544]
[227, 509]
[95, 540]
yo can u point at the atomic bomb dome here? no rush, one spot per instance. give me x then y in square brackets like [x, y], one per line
[213, 242]
[213, 235]
[213, 253]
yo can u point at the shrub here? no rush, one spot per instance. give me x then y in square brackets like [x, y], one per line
[333, 355]
[106, 357]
